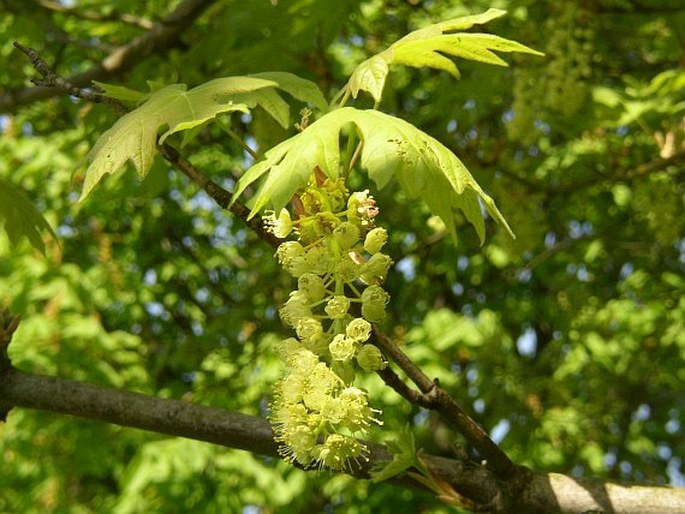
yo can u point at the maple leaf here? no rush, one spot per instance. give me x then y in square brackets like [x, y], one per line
[174, 108]
[427, 47]
[391, 148]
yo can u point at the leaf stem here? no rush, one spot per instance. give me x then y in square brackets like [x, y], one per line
[255, 155]
[342, 96]
[355, 156]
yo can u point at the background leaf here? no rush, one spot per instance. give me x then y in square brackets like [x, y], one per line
[21, 219]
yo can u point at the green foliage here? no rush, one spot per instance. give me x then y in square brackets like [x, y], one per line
[21, 219]
[134, 136]
[425, 48]
[391, 148]
[661, 98]
[566, 344]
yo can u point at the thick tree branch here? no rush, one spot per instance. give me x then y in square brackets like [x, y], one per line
[532, 493]
[161, 37]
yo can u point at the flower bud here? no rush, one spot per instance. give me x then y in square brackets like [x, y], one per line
[346, 269]
[370, 358]
[358, 329]
[291, 256]
[287, 347]
[337, 307]
[336, 192]
[361, 208]
[358, 414]
[334, 410]
[374, 300]
[345, 370]
[301, 439]
[292, 388]
[308, 328]
[342, 348]
[375, 240]
[295, 308]
[337, 450]
[319, 260]
[375, 269]
[311, 285]
[346, 235]
[288, 251]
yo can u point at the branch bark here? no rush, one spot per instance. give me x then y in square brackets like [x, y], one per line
[434, 397]
[531, 492]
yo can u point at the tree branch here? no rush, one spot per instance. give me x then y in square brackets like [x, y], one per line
[217, 193]
[531, 493]
[436, 398]
[161, 37]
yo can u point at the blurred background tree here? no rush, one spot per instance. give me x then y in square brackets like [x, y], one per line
[566, 344]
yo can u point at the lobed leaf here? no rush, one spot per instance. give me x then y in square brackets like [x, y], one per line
[134, 136]
[21, 219]
[297, 87]
[392, 148]
[426, 48]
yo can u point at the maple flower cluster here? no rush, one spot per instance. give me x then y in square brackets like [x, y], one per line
[316, 411]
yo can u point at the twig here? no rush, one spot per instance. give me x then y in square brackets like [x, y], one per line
[432, 396]
[217, 193]
[162, 36]
[51, 79]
